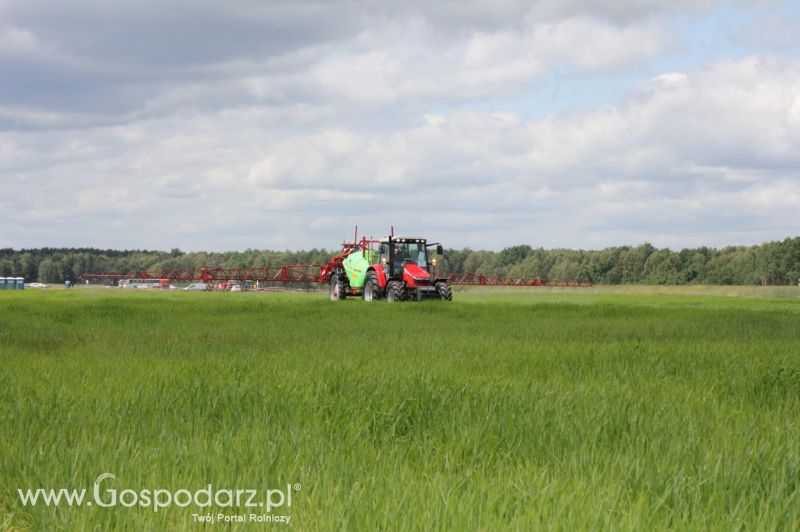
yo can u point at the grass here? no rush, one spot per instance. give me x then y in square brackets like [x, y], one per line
[510, 409]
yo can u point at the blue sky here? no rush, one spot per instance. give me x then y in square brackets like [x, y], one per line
[726, 32]
[281, 125]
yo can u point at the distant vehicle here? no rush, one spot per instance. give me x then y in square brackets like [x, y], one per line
[196, 287]
[144, 283]
[37, 285]
[231, 285]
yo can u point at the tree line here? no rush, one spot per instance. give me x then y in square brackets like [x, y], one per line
[771, 263]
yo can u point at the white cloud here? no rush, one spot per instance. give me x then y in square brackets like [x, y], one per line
[17, 40]
[133, 64]
[689, 151]
[381, 68]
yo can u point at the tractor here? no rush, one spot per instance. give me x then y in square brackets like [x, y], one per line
[398, 270]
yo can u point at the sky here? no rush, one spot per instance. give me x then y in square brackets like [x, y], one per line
[216, 126]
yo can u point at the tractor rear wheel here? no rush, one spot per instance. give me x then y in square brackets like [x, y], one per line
[394, 292]
[372, 291]
[444, 291]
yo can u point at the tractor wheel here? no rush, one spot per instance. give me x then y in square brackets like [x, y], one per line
[445, 292]
[372, 291]
[338, 290]
[394, 292]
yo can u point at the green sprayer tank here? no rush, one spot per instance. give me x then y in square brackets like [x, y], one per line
[356, 264]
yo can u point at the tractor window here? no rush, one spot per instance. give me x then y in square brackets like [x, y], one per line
[411, 252]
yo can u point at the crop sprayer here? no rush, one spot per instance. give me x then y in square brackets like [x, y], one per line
[395, 268]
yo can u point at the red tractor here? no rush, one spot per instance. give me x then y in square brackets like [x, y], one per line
[398, 270]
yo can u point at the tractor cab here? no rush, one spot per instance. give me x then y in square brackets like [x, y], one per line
[407, 258]
[396, 253]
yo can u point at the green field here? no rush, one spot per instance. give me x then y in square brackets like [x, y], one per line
[506, 409]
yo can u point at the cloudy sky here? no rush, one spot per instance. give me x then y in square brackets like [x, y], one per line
[252, 124]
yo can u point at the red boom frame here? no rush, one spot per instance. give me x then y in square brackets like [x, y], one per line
[290, 273]
[310, 274]
[314, 273]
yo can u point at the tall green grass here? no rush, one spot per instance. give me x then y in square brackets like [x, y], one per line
[505, 409]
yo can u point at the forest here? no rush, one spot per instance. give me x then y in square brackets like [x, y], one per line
[770, 263]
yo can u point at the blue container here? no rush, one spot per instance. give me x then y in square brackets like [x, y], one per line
[2, 283]
[11, 283]
[20, 283]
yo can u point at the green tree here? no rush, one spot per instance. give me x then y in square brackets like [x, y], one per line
[6, 268]
[663, 267]
[49, 271]
[28, 266]
[513, 255]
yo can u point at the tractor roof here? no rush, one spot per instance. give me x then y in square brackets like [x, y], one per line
[405, 239]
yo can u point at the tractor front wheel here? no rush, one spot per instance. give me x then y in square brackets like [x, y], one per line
[338, 291]
[394, 292]
[444, 291]
[372, 291]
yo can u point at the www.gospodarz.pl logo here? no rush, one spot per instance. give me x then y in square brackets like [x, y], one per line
[157, 499]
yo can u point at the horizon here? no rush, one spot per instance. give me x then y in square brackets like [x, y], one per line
[335, 249]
